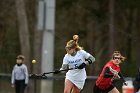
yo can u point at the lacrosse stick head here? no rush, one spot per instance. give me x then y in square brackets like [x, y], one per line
[37, 76]
[32, 75]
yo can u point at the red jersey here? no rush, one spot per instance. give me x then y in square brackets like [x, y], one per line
[104, 83]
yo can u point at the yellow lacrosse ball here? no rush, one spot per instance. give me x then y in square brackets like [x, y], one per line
[33, 61]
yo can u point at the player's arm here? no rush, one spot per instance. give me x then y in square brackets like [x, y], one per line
[64, 67]
[121, 77]
[65, 63]
[90, 60]
[107, 73]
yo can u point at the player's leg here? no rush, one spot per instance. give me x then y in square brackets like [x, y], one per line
[114, 90]
[96, 89]
[68, 86]
[76, 89]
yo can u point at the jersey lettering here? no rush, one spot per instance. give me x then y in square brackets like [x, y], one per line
[75, 61]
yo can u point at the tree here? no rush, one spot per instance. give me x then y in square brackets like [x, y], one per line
[111, 26]
[24, 34]
[23, 31]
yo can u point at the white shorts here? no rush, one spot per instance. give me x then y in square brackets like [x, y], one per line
[78, 83]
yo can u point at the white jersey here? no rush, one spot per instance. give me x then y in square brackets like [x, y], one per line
[73, 62]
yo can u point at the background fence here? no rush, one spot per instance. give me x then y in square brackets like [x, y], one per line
[58, 84]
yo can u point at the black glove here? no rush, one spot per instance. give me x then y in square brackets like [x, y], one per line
[57, 71]
[83, 65]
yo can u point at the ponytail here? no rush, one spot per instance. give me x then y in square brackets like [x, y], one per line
[74, 43]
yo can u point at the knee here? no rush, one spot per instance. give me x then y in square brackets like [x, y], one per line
[66, 91]
[117, 92]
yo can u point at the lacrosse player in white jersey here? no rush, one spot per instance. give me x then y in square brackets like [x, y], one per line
[75, 58]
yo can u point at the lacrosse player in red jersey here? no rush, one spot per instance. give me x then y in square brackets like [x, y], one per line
[110, 72]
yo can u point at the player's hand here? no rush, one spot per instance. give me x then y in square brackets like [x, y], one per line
[83, 65]
[125, 83]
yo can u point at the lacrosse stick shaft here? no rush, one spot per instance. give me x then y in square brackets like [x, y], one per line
[114, 72]
[43, 75]
[49, 72]
[59, 71]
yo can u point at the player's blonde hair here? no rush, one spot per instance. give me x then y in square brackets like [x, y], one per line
[117, 53]
[74, 43]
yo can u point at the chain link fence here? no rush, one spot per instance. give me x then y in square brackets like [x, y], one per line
[58, 84]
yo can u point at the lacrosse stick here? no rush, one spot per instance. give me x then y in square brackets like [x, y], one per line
[43, 75]
[114, 72]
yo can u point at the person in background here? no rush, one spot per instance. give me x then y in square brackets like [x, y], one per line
[75, 58]
[19, 78]
[137, 80]
[110, 72]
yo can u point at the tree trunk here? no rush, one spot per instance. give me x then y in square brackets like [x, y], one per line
[24, 35]
[111, 26]
[129, 31]
[36, 68]
[23, 31]
[137, 40]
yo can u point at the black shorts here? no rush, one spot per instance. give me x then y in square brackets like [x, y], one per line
[98, 90]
